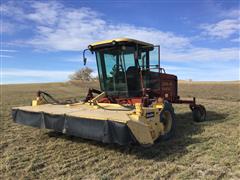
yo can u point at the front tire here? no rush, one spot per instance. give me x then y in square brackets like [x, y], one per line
[167, 117]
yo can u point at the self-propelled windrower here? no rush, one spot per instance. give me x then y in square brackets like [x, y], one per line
[133, 105]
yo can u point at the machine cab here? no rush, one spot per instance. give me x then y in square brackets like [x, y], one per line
[124, 67]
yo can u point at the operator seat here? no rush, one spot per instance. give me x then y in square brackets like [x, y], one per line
[133, 81]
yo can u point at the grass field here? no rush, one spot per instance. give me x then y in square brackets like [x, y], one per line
[207, 150]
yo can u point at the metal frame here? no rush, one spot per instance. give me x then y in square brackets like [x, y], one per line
[144, 97]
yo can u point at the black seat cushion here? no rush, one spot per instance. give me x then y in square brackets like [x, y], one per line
[133, 81]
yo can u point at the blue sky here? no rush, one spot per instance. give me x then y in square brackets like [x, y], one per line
[42, 41]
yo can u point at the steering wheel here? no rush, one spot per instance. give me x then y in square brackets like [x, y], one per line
[115, 69]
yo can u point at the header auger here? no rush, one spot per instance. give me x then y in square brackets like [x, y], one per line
[133, 105]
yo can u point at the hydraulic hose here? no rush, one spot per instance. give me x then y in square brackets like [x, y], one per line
[46, 96]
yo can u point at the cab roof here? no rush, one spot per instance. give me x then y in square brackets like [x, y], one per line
[121, 41]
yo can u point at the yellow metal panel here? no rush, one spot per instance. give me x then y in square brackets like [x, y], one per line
[34, 102]
[103, 112]
[114, 106]
[141, 132]
[37, 101]
[121, 40]
[150, 116]
[158, 106]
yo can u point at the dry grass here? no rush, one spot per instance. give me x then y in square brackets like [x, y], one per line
[208, 150]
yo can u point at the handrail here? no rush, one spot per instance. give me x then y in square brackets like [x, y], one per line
[161, 70]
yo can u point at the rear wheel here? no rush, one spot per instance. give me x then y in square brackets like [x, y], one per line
[199, 113]
[167, 117]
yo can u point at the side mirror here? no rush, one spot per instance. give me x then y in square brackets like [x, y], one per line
[84, 61]
[84, 57]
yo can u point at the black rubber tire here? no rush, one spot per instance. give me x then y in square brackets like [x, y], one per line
[199, 113]
[170, 110]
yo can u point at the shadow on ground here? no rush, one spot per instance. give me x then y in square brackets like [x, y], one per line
[186, 128]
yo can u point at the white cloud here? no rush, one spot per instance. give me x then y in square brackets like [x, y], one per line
[6, 27]
[15, 75]
[79, 59]
[5, 56]
[203, 55]
[233, 13]
[222, 29]
[214, 74]
[35, 73]
[44, 13]
[236, 40]
[77, 38]
[8, 50]
[4, 51]
[61, 28]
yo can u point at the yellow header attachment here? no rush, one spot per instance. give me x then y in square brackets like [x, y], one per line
[112, 42]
